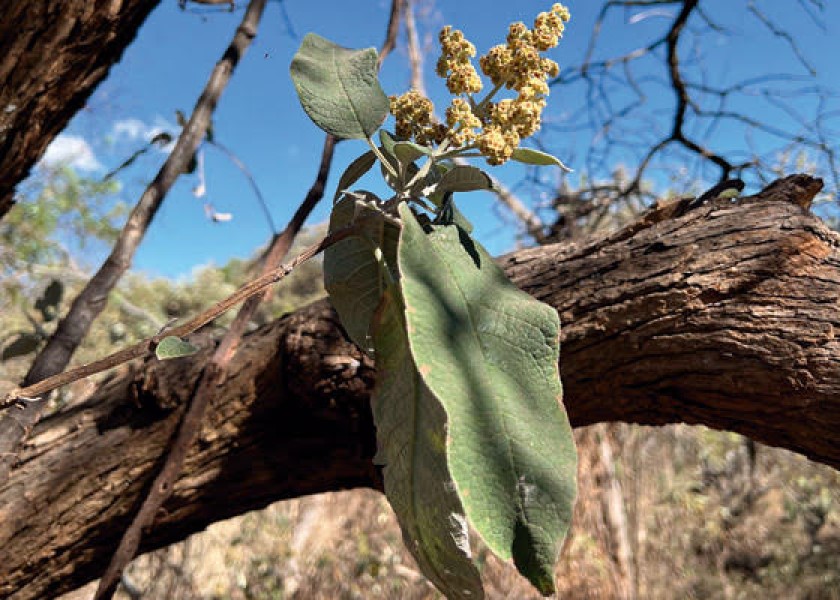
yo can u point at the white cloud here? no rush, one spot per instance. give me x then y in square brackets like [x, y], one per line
[133, 130]
[71, 150]
[130, 128]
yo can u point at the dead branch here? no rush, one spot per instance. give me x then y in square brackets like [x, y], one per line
[90, 302]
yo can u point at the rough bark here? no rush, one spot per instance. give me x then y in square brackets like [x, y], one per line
[52, 56]
[724, 316]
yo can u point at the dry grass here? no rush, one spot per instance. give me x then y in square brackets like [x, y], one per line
[675, 512]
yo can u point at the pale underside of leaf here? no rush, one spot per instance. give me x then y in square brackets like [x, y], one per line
[355, 273]
[411, 439]
[490, 353]
[529, 156]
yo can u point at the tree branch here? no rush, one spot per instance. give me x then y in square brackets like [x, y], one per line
[622, 121]
[52, 57]
[90, 302]
[723, 316]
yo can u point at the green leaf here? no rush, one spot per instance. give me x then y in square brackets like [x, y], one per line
[339, 88]
[394, 182]
[411, 439]
[462, 178]
[24, 344]
[408, 152]
[48, 303]
[529, 156]
[730, 193]
[174, 347]
[490, 353]
[354, 172]
[388, 140]
[356, 269]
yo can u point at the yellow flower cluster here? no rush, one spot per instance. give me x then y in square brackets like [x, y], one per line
[454, 63]
[495, 128]
[461, 123]
[413, 112]
[518, 65]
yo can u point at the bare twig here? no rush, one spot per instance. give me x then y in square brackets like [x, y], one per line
[141, 349]
[92, 299]
[415, 56]
[618, 111]
[532, 223]
[391, 32]
[781, 33]
[251, 181]
[214, 373]
[212, 376]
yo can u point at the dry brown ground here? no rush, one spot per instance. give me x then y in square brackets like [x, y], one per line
[675, 512]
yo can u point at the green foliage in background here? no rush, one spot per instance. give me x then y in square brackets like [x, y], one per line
[61, 223]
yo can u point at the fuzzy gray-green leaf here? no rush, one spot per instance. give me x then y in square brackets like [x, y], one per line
[411, 440]
[339, 88]
[174, 347]
[529, 156]
[354, 172]
[408, 152]
[490, 353]
[462, 178]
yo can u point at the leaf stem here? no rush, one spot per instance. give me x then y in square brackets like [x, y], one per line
[388, 166]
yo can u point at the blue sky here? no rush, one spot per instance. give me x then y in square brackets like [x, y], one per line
[260, 119]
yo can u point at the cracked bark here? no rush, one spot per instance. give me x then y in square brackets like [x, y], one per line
[724, 316]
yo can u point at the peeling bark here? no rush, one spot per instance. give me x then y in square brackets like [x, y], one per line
[724, 316]
[52, 56]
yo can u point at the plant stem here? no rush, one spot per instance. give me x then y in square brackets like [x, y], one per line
[382, 159]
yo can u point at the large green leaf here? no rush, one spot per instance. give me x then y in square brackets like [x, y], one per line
[411, 439]
[356, 268]
[490, 353]
[339, 88]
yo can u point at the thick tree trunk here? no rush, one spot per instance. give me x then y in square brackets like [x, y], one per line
[52, 56]
[724, 316]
